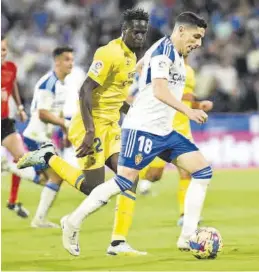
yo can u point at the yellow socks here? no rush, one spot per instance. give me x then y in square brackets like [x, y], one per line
[71, 174]
[183, 186]
[123, 215]
[143, 172]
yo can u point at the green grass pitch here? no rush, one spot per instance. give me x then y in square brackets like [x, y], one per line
[232, 206]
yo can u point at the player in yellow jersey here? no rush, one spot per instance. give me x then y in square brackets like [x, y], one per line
[154, 171]
[94, 130]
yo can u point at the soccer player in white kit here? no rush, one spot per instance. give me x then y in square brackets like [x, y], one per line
[47, 112]
[147, 132]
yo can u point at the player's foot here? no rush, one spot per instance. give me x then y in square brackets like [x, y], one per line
[38, 223]
[19, 209]
[144, 187]
[183, 244]
[70, 237]
[36, 157]
[124, 249]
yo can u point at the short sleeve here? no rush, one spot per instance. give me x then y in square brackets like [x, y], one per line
[101, 66]
[161, 60]
[45, 100]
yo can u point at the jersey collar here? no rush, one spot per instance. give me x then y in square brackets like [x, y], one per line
[55, 75]
[169, 38]
[125, 47]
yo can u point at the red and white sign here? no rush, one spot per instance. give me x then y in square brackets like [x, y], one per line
[233, 149]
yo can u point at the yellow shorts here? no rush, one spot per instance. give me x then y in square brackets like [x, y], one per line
[106, 141]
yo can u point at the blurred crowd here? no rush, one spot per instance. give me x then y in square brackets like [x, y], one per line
[227, 66]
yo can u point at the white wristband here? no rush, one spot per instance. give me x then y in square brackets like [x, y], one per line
[20, 107]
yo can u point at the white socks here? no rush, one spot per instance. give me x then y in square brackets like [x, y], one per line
[47, 197]
[98, 197]
[193, 204]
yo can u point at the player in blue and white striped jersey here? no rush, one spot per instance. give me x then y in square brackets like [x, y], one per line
[47, 112]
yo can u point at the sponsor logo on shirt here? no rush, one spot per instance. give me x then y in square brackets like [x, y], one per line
[131, 76]
[177, 78]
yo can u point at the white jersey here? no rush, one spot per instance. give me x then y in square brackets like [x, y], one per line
[147, 113]
[49, 94]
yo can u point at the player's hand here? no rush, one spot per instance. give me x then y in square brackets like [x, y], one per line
[198, 116]
[23, 116]
[206, 105]
[86, 148]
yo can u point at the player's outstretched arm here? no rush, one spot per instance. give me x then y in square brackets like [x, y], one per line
[46, 116]
[162, 93]
[85, 100]
[205, 105]
[44, 106]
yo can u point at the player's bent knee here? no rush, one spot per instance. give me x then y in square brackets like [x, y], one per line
[87, 187]
[183, 174]
[205, 173]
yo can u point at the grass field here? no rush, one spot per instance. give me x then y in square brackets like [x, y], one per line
[232, 206]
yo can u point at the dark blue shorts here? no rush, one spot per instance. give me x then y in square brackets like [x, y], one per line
[139, 148]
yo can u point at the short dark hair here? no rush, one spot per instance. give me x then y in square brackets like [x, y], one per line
[135, 14]
[191, 18]
[60, 50]
[3, 37]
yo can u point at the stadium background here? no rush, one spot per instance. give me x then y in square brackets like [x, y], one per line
[227, 71]
[227, 66]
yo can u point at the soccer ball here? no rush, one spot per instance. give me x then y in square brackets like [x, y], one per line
[206, 243]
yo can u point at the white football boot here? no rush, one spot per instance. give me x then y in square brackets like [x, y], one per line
[124, 249]
[36, 157]
[39, 223]
[70, 237]
[183, 244]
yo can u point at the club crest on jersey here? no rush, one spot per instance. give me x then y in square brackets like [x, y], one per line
[138, 159]
[162, 64]
[96, 67]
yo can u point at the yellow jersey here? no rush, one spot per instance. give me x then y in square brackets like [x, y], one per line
[113, 68]
[181, 122]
